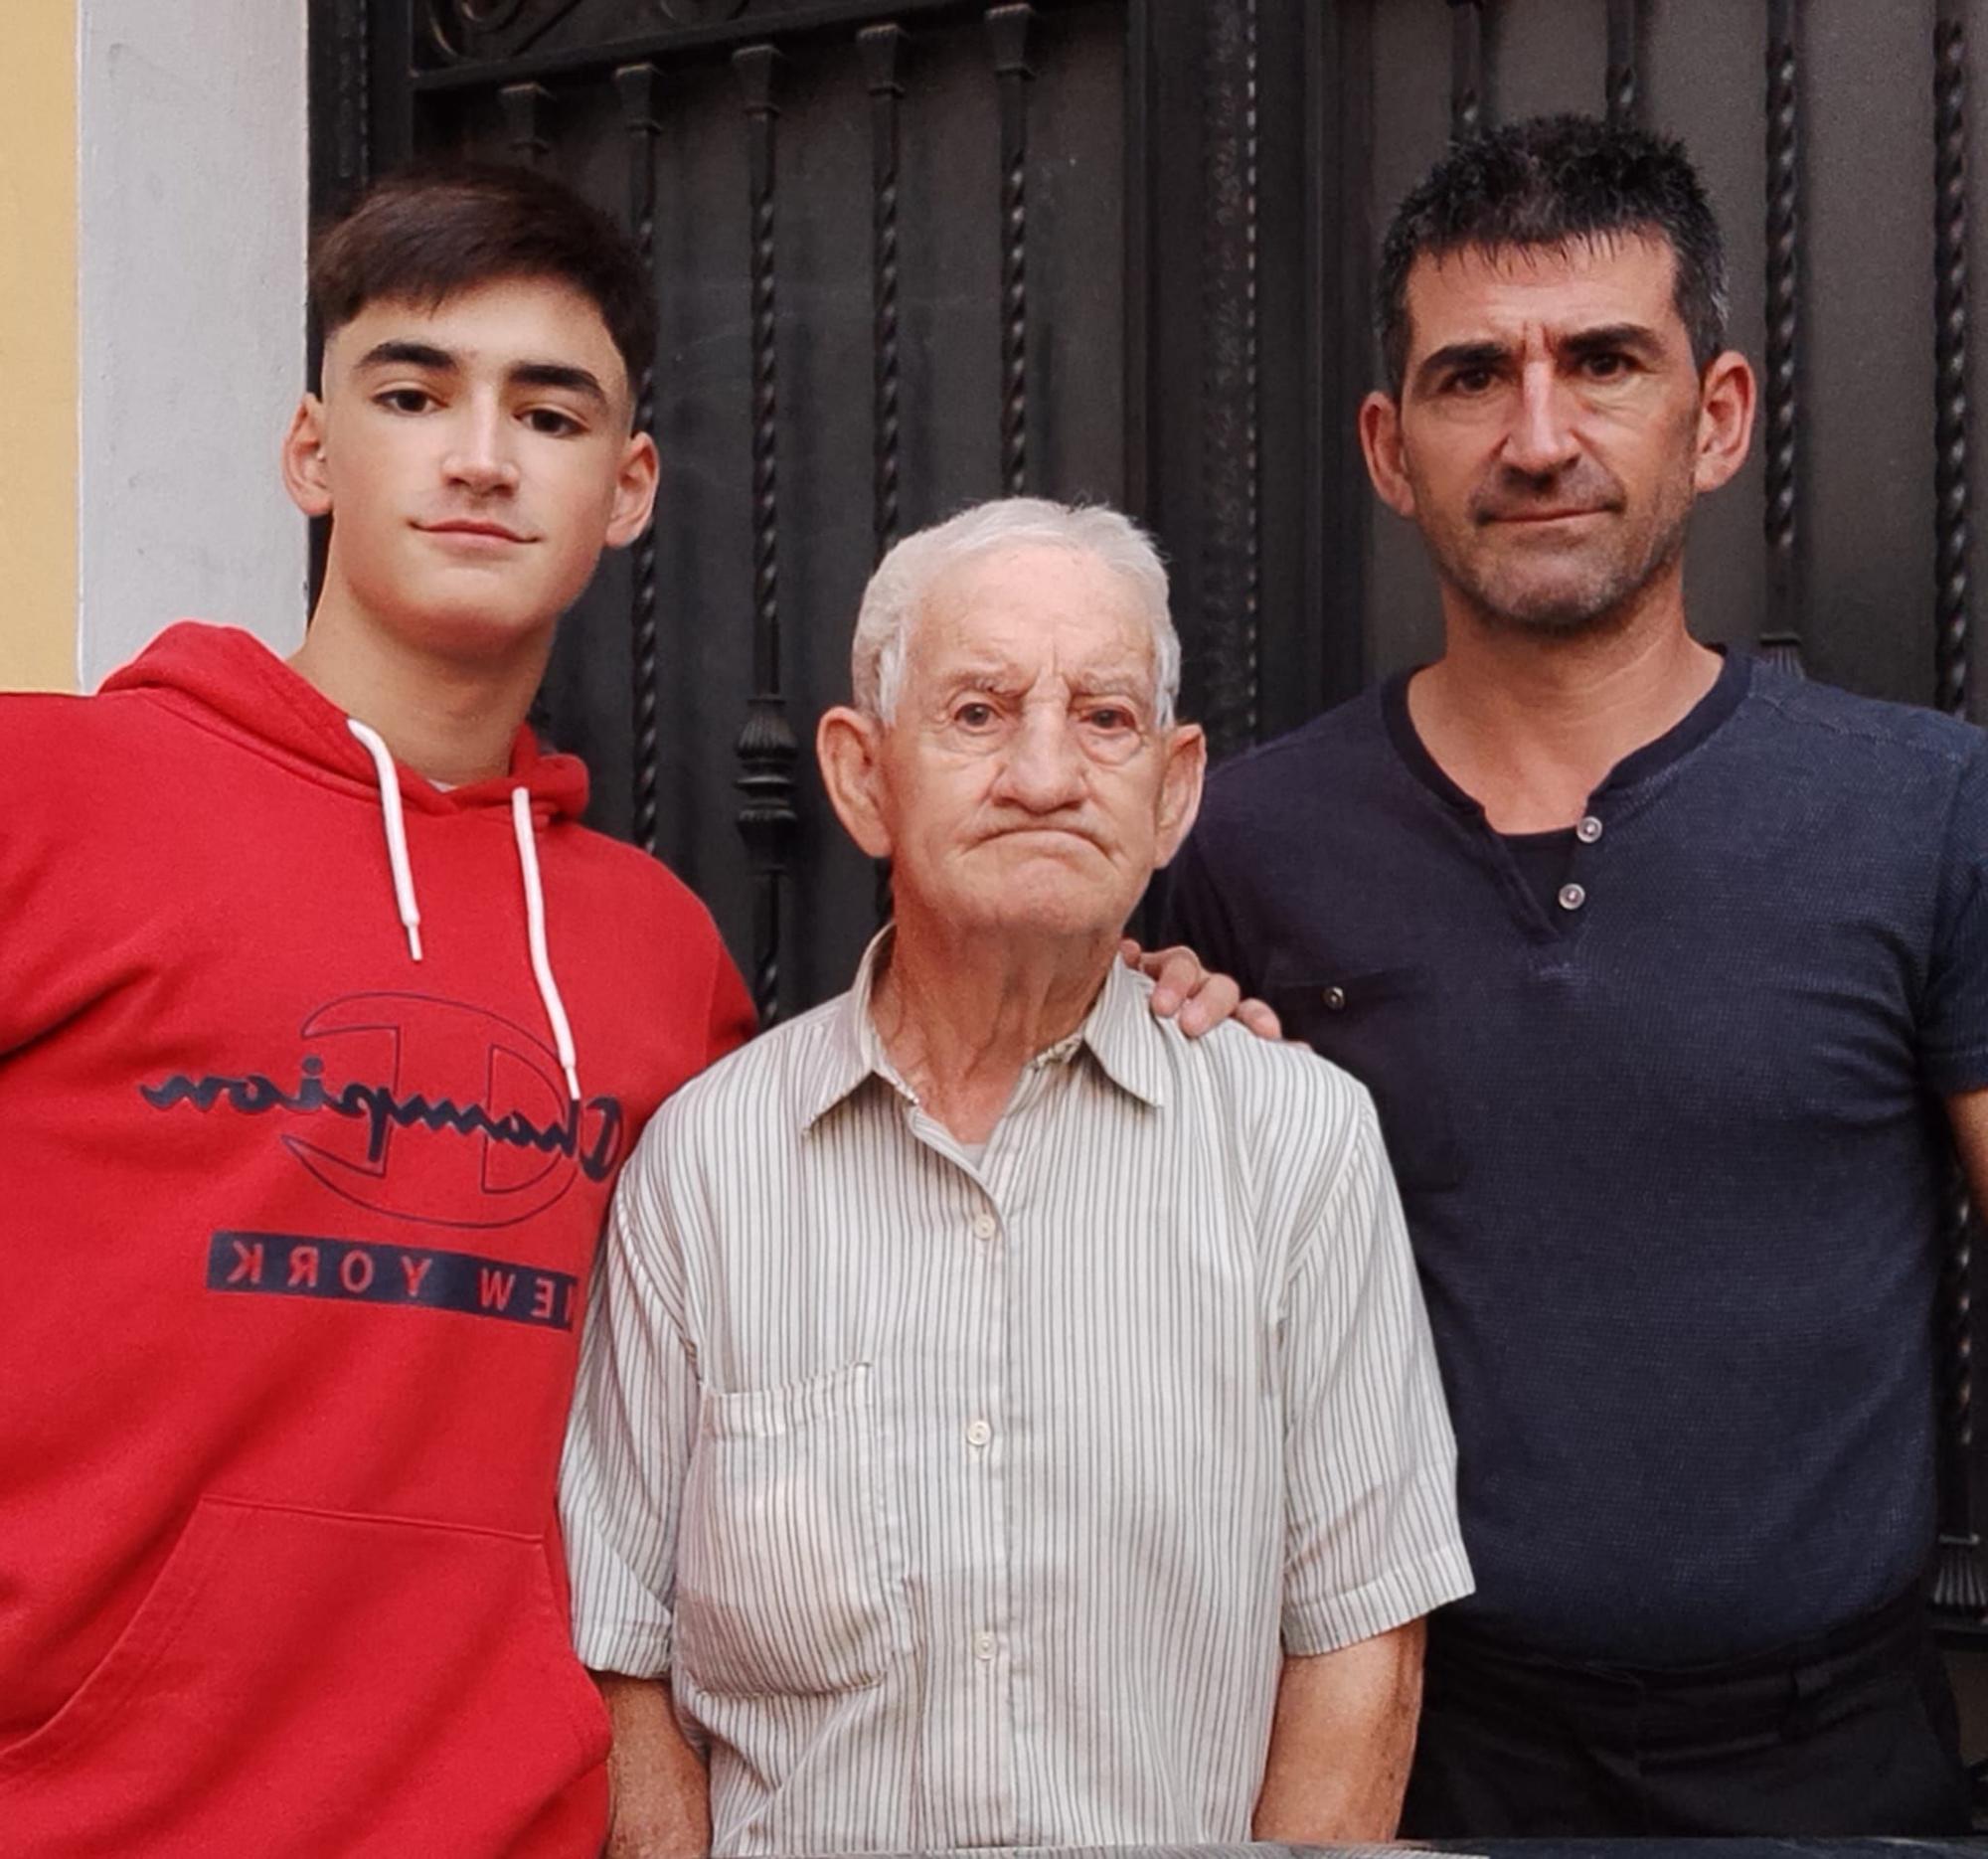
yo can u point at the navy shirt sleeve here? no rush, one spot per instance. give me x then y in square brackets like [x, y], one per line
[1954, 1024]
[1194, 911]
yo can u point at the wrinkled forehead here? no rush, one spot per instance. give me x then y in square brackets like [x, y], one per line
[1034, 612]
[1471, 291]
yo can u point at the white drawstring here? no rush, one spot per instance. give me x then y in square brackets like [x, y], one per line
[397, 832]
[535, 928]
[528, 865]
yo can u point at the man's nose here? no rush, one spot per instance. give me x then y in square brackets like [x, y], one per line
[1540, 440]
[1044, 769]
[480, 458]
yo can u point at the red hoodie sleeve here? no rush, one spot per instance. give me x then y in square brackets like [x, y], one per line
[732, 1021]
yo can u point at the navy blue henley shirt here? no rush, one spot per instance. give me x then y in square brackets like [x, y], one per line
[1669, 1137]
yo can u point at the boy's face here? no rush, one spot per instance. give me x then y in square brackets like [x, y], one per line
[475, 456]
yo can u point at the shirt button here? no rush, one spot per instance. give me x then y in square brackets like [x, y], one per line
[983, 1646]
[978, 1433]
[1588, 830]
[985, 1225]
[1335, 998]
[1571, 897]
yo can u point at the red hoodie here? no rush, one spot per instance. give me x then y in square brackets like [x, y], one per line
[296, 1230]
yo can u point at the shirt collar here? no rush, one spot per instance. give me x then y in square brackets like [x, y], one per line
[1118, 1031]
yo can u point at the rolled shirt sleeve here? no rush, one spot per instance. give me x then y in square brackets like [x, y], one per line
[628, 1441]
[1372, 1538]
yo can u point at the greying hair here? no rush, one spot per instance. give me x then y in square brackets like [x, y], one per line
[1557, 180]
[906, 576]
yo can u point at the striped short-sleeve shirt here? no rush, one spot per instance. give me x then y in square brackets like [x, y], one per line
[974, 1501]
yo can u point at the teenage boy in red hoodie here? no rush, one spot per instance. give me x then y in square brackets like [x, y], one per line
[324, 1028]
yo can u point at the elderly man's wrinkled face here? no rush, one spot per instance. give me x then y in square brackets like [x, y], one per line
[1023, 783]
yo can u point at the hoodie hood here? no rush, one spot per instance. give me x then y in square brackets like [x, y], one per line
[229, 680]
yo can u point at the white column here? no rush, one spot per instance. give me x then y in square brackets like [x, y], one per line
[192, 213]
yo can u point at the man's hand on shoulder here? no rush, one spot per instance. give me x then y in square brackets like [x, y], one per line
[1183, 990]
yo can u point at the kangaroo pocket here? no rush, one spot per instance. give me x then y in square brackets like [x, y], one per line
[788, 1577]
[309, 1682]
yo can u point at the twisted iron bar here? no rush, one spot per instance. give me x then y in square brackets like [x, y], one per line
[1467, 68]
[1780, 643]
[637, 85]
[880, 47]
[1624, 85]
[1961, 1581]
[524, 107]
[1233, 454]
[768, 751]
[1009, 27]
[1952, 486]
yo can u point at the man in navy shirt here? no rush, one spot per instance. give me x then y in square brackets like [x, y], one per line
[1668, 974]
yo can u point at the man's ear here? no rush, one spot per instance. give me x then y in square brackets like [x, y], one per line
[634, 491]
[849, 746]
[304, 474]
[1726, 396]
[1180, 788]
[1381, 442]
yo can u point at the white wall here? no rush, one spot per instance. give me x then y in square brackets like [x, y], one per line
[191, 235]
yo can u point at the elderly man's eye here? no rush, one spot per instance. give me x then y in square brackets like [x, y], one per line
[974, 716]
[1111, 717]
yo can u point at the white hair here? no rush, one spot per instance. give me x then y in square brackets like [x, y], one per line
[906, 576]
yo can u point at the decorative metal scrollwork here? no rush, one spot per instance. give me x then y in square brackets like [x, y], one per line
[464, 29]
[487, 15]
[699, 12]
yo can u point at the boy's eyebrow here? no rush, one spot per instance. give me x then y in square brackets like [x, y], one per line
[560, 375]
[400, 353]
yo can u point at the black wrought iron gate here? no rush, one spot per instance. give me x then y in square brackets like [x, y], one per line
[910, 254]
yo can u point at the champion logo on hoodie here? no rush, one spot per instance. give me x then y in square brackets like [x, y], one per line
[420, 1108]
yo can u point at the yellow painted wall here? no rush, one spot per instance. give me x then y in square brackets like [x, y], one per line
[38, 321]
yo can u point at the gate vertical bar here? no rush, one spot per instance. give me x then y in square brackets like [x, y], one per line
[1232, 392]
[637, 85]
[1959, 1579]
[524, 107]
[1009, 27]
[1780, 642]
[881, 48]
[1951, 311]
[1467, 68]
[1624, 86]
[766, 748]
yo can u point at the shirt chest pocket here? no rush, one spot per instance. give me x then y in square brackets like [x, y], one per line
[790, 1577]
[1384, 1026]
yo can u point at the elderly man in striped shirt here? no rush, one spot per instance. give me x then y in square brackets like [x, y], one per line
[1003, 1420]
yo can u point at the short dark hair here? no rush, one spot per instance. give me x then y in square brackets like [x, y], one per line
[425, 234]
[1557, 180]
